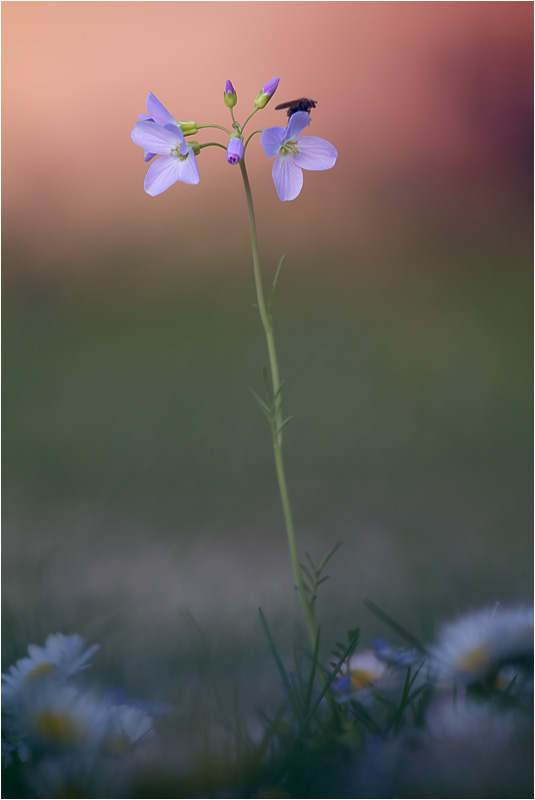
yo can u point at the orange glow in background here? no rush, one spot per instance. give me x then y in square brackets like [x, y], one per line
[428, 105]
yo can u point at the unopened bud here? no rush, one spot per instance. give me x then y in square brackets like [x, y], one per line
[266, 93]
[229, 96]
[235, 150]
[188, 128]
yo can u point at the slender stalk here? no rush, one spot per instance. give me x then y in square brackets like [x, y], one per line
[277, 421]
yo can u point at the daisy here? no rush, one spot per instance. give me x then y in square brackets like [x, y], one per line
[61, 657]
[476, 647]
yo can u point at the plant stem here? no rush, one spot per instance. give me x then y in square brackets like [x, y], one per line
[277, 421]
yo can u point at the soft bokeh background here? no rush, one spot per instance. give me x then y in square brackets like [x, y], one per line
[140, 506]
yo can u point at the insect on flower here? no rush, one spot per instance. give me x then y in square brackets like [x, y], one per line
[293, 106]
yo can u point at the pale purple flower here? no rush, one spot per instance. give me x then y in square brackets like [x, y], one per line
[293, 155]
[177, 162]
[234, 151]
[156, 112]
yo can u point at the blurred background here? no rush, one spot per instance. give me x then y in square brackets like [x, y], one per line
[140, 504]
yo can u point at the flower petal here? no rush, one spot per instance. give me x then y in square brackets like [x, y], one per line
[155, 139]
[297, 123]
[288, 177]
[315, 153]
[167, 170]
[271, 86]
[190, 170]
[158, 112]
[272, 140]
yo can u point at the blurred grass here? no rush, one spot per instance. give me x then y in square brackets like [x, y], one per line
[138, 477]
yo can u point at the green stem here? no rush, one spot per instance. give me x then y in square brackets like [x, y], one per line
[219, 127]
[277, 422]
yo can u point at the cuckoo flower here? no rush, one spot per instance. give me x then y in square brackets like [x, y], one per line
[294, 155]
[178, 160]
[157, 112]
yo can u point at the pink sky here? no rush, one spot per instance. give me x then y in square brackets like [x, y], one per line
[396, 84]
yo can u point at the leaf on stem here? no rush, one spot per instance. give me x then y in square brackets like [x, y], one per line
[271, 295]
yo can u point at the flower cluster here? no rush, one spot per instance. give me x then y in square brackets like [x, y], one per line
[490, 649]
[46, 713]
[453, 717]
[160, 134]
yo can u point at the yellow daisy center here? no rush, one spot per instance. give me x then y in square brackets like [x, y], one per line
[41, 669]
[474, 661]
[57, 728]
[360, 678]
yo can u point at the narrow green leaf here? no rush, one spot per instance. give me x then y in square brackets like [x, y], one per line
[313, 668]
[329, 555]
[277, 273]
[311, 563]
[330, 678]
[271, 294]
[265, 408]
[280, 666]
[306, 573]
[403, 632]
[285, 422]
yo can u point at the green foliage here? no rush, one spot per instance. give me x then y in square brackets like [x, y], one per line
[313, 576]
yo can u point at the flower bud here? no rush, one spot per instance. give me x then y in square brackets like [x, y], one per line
[266, 93]
[235, 150]
[188, 128]
[229, 96]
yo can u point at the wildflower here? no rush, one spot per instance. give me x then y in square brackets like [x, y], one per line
[266, 93]
[396, 657]
[128, 725]
[294, 155]
[365, 671]
[157, 112]
[229, 95]
[234, 150]
[61, 716]
[475, 648]
[460, 749]
[472, 749]
[178, 159]
[60, 658]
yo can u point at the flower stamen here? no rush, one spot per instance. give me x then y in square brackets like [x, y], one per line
[175, 151]
[289, 149]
